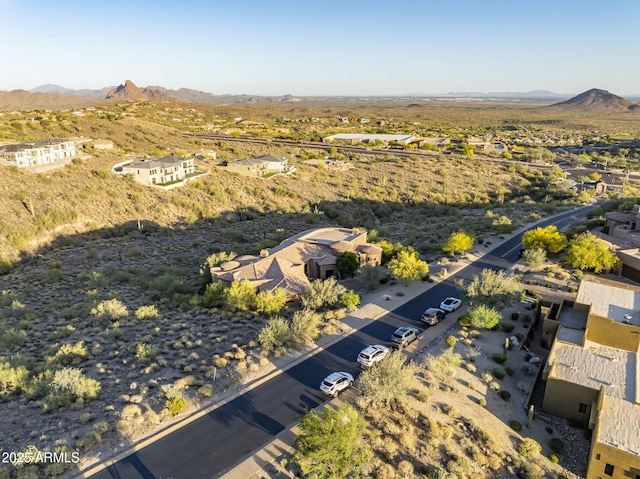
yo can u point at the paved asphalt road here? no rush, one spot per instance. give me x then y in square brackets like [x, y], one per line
[213, 443]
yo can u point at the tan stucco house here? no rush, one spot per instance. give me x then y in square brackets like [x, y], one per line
[293, 263]
[260, 166]
[592, 373]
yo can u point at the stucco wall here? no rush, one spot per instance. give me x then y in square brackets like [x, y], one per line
[610, 333]
[562, 398]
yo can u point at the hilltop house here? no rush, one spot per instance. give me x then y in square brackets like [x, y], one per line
[359, 138]
[592, 373]
[308, 255]
[35, 153]
[160, 171]
[260, 166]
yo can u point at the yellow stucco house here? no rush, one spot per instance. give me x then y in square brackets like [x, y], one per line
[592, 373]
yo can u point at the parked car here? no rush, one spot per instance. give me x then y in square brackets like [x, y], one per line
[404, 336]
[372, 354]
[432, 316]
[335, 383]
[450, 304]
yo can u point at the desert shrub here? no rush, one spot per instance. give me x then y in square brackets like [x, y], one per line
[499, 358]
[515, 316]
[515, 425]
[506, 395]
[146, 312]
[423, 395]
[304, 326]
[450, 341]
[13, 379]
[482, 402]
[510, 371]
[350, 299]
[12, 338]
[529, 448]
[175, 405]
[69, 354]
[62, 332]
[240, 296]
[472, 353]
[206, 391]
[524, 387]
[322, 293]
[69, 385]
[214, 295]
[145, 353]
[5, 266]
[499, 373]
[275, 335]
[508, 327]
[110, 310]
[471, 367]
[444, 364]
[464, 320]
[556, 444]
[271, 302]
[553, 457]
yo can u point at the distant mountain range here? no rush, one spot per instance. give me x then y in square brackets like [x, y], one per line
[129, 91]
[56, 96]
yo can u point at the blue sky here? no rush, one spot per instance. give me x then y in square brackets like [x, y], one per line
[347, 47]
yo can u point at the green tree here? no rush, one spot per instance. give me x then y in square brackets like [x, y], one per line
[587, 251]
[322, 293]
[332, 443]
[388, 382]
[348, 263]
[548, 238]
[484, 317]
[594, 176]
[271, 302]
[240, 295]
[468, 150]
[493, 288]
[407, 266]
[350, 299]
[459, 242]
[534, 257]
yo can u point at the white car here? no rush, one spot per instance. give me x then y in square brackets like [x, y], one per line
[450, 304]
[334, 383]
[372, 354]
[404, 336]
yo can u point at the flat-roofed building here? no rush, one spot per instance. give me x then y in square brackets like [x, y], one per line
[592, 372]
[35, 153]
[160, 171]
[260, 166]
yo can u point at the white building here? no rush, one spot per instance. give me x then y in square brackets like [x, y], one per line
[160, 171]
[34, 153]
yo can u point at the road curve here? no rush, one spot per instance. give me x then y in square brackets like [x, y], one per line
[213, 443]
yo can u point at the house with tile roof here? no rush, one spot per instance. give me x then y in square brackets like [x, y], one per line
[592, 373]
[296, 261]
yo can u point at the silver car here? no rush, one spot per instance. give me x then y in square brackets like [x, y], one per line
[334, 383]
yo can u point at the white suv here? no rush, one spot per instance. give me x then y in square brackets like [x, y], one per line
[372, 354]
[334, 383]
[404, 336]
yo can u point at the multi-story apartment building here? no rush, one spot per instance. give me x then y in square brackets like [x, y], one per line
[35, 153]
[160, 171]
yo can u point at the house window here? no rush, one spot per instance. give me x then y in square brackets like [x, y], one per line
[608, 470]
[582, 408]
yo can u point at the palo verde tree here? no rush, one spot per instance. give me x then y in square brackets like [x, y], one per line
[459, 242]
[407, 266]
[484, 317]
[548, 239]
[388, 382]
[332, 444]
[589, 252]
[493, 288]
